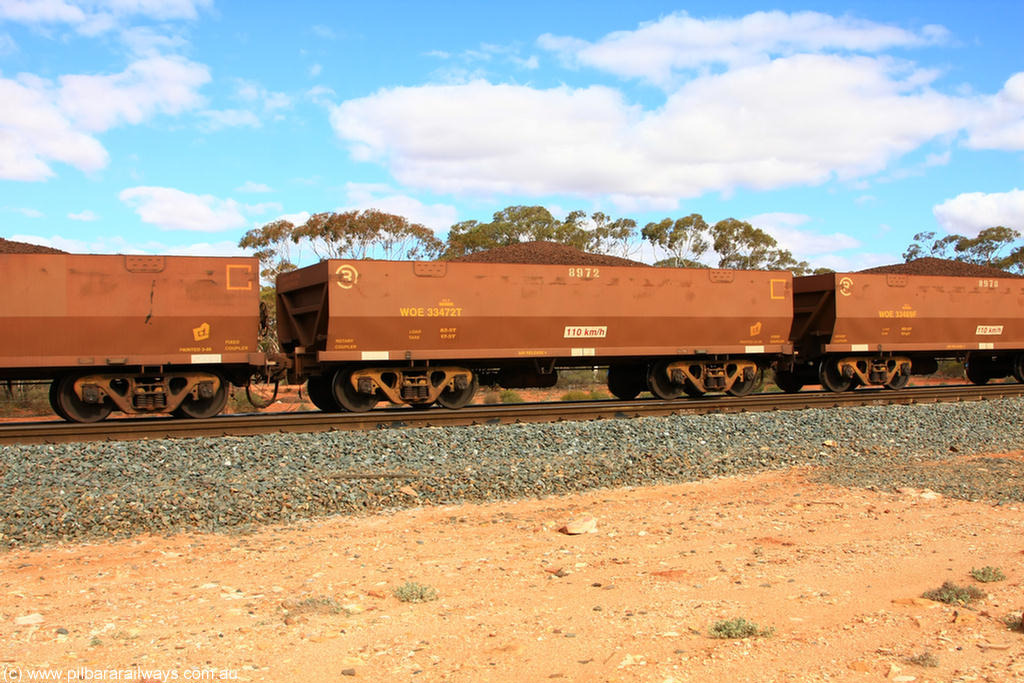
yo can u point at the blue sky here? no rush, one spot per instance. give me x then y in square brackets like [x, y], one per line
[173, 126]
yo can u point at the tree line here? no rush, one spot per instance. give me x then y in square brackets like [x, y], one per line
[683, 242]
[689, 241]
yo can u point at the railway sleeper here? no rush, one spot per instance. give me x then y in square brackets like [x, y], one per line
[147, 394]
[893, 371]
[735, 376]
[415, 386]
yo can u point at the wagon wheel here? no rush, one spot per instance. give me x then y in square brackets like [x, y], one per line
[692, 390]
[977, 373]
[318, 388]
[55, 400]
[625, 382]
[457, 398]
[831, 378]
[347, 396]
[660, 384]
[788, 381]
[1018, 368]
[742, 387]
[261, 391]
[202, 408]
[70, 407]
[898, 381]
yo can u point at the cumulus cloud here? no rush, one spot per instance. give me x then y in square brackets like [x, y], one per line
[437, 217]
[657, 50]
[172, 209]
[791, 121]
[218, 119]
[167, 85]
[765, 101]
[255, 188]
[999, 123]
[86, 215]
[90, 17]
[970, 213]
[43, 122]
[804, 244]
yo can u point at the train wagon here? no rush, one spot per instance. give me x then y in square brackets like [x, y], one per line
[140, 334]
[852, 329]
[424, 332]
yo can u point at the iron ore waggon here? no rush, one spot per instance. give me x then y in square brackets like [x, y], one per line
[140, 334]
[852, 329]
[421, 333]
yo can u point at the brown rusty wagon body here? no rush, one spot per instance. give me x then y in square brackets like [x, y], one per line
[859, 328]
[135, 333]
[416, 332]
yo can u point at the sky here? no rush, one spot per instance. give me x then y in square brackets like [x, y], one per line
[842, 129]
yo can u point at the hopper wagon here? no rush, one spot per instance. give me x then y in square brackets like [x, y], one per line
[852, 329]
[421, 333]
[139, 334]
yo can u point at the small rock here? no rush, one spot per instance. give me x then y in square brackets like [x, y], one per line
[29, 619]
[583, 525]
[348, 672]
[409, 491]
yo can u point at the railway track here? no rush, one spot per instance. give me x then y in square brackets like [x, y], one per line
[390, 418]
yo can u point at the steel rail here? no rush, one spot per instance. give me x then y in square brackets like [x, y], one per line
[391, 418]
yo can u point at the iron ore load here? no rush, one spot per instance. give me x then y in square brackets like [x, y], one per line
[159, 334]
[139, 334]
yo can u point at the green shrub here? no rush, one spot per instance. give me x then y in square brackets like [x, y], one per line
[314, 605]
[952, 594]
[988, 574]
[509, 396]
[738, 628]
[575, 395]
[926, 658]
[415, 592]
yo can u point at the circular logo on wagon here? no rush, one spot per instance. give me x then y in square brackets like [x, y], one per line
[846, 286]
[347, 276]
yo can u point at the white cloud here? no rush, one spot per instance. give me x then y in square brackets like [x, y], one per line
[171, 209]
[41, 11]
[214, 119]
[119, 245]
[999, 123]
[804, 244]
[294, 218]
[43, 122]
[7, 44]
[26, 212]
[250, 91]
[91, 18]
[656, 51]
[315, 70]
[167, 85]
[255, 188]
[262, 207]
[792, 121]
[146, 42]
[34, 132]
[969, 213]
[437, 217]
[86, 215]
